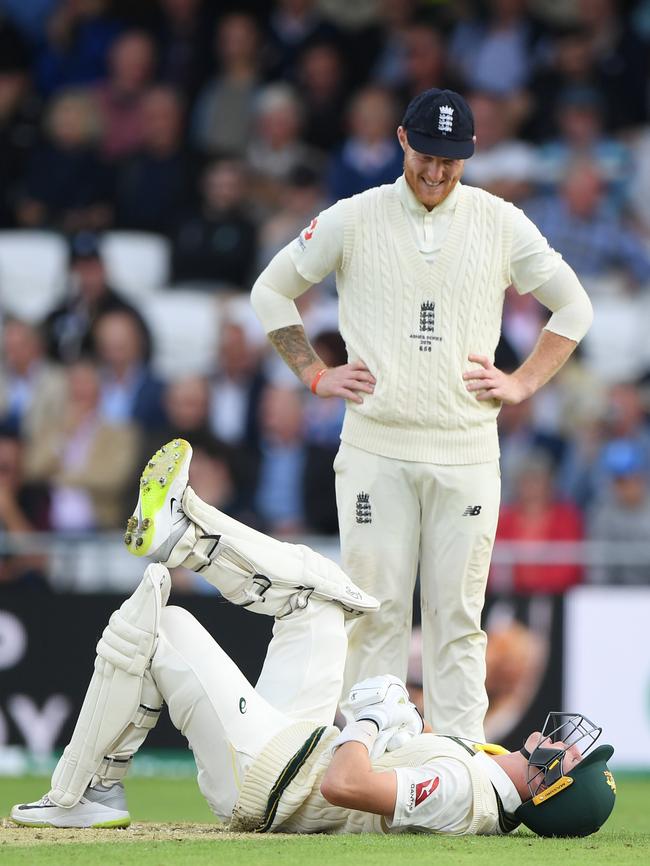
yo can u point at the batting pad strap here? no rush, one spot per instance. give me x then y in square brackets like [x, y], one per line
[364, 732]
[114, 769]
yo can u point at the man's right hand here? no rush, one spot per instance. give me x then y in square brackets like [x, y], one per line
[348, 381]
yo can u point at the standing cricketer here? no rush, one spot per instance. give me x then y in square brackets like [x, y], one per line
[422, 266]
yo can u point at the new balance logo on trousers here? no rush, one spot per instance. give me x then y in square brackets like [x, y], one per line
[472, 511]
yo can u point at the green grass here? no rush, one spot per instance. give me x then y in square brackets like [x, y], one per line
[624, 840]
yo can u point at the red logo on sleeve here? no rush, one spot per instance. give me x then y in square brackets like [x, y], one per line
[309, 231]
[425, 789]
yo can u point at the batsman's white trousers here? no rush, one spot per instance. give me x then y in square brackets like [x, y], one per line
[394, 515]
[226, 721]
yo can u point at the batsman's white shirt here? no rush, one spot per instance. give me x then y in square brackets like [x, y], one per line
[439, 796]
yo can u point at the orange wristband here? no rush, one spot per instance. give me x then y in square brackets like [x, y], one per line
[316, 379]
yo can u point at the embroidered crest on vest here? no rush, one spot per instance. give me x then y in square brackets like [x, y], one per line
[426, 326]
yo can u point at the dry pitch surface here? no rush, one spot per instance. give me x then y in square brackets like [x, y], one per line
[10, 834]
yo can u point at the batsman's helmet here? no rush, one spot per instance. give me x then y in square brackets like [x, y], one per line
[576, 803]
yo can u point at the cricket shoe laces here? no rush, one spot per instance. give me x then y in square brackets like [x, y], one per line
[159, 522]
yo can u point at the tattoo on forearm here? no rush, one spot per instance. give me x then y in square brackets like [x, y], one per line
[294, 348]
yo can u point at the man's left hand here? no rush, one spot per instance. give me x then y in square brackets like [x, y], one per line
[487, 382]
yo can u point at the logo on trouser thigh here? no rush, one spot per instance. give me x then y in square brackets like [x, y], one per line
[364, 509]
[472, 511]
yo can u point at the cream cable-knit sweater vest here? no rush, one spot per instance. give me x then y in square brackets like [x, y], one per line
[301, 808]
[414, 324]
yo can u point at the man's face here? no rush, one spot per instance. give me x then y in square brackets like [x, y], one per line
[572, 756]
[431, 178]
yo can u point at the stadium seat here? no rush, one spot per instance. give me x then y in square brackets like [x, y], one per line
[185, 329]
[33, 267]
[137, 263]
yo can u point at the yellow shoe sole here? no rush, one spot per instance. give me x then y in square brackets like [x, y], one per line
[103, 825]
[157, 477]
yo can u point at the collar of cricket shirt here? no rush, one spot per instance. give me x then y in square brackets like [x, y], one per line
[501, 781]
[412, 205]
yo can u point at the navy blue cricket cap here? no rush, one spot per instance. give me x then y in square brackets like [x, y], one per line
[440, 123]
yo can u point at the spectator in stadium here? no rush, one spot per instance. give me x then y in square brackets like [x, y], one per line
[79, 36]
[186, 403]
[69, 328]
[31, 387]
[152, 184]
[24, 508]
[497, 51]
[581, 226]
[215, 477]
[389, 65]
[86, 461]
[276, 147]
[536, 514]
[620, 516]
[621, 59]
[569, 65]
[323, 87]
[216, 244]
[279, 498]
[183, 37]
[519, 436]
[371, 155]
[292, 26]
[425, 63]
[120, 97]
[583, 475]
[19, 110]
[129, 390]
[502, 164]
[66, 186]
[237, 385]
[581, 134]
[300, 199]
[222, 124]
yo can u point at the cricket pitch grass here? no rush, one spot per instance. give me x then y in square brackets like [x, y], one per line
[172, 825]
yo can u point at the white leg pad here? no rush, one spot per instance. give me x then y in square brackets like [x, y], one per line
[261, 573]
[114, 697]
[115, 766]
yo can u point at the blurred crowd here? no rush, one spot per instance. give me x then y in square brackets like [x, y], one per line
[223, 128]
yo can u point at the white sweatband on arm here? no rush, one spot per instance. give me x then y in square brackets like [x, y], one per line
[565, 297]
[364, 732]
[274, 290]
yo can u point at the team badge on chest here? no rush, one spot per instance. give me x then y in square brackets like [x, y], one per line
[426, 333]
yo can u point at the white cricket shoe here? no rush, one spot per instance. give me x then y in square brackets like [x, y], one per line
[99, 807]
[158, 522]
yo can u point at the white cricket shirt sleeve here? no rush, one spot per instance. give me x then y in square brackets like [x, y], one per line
[318, 249]
[435, 797]
[565, 297]
[532, 261]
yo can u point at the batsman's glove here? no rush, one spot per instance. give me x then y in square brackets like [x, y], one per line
[384, 700]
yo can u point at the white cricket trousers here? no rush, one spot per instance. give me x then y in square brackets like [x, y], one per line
[226, 721]
[393, 517]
